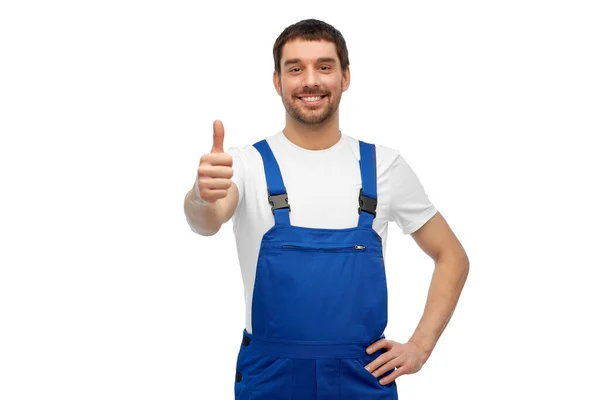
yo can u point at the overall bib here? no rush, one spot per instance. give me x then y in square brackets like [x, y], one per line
[320, 298]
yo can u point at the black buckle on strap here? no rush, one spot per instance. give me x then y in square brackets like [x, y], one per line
[367, 204]
[279, 201]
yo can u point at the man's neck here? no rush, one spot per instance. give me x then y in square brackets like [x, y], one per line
[312, 137]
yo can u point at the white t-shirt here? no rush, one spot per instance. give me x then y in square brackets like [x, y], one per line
[323, 188]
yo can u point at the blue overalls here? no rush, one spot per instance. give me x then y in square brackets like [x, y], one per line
[320, 298]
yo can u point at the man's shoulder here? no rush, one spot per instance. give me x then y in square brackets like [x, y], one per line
[387, 151]
[249, 148]
[247, 156]
[386, 156]
[384, 153]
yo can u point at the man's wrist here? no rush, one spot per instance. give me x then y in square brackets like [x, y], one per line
[426, 345]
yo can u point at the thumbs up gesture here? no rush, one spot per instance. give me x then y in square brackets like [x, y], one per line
[215, 169]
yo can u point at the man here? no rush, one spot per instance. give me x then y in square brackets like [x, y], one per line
[310, 207]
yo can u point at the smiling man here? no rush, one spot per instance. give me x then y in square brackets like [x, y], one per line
[307, 102]
[310, 207]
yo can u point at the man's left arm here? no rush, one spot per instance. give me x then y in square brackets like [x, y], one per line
[438, 241]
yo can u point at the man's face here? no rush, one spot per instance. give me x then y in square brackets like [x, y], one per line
[311, 81]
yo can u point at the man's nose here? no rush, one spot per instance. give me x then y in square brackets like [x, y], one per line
[311, 78]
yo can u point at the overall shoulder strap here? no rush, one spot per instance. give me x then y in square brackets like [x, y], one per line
[367, 199]
[277, 194]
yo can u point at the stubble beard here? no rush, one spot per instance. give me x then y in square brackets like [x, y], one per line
[311, 117]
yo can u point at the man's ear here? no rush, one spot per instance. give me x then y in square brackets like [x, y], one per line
[346, 79]
[277, 82]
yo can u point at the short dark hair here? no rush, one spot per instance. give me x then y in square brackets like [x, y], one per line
[311, 29]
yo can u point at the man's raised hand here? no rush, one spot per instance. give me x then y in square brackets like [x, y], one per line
[215, 169]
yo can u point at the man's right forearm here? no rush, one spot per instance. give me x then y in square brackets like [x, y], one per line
[203, 219]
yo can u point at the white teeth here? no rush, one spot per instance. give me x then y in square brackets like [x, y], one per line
[314, 98]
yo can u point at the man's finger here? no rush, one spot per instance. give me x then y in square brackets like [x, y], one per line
[222, 159]
[217, 184]
[215, 172]
[378, 362]
[391, 377]
[218, 137]
[389, 365]
[380, 344]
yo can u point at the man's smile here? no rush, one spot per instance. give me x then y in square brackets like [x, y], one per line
[312, 100]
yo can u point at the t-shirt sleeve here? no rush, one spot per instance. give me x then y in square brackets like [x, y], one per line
[238, 171]
[410, 206]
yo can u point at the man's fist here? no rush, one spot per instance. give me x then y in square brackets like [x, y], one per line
[215, 169]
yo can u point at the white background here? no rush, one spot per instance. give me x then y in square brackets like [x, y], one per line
[106, 108]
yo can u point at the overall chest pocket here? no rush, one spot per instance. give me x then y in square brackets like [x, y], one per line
[343, 247]
[326, 292]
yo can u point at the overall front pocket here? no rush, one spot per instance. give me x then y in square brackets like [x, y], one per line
[358, 383]
[260, 372]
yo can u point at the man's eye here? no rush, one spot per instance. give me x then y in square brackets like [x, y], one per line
[295, 70]
[325, 67]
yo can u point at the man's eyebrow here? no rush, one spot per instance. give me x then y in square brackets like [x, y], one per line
[297, 60]
[326, 60]
[291, 61]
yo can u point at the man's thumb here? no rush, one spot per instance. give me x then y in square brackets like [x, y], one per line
[218, 137]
